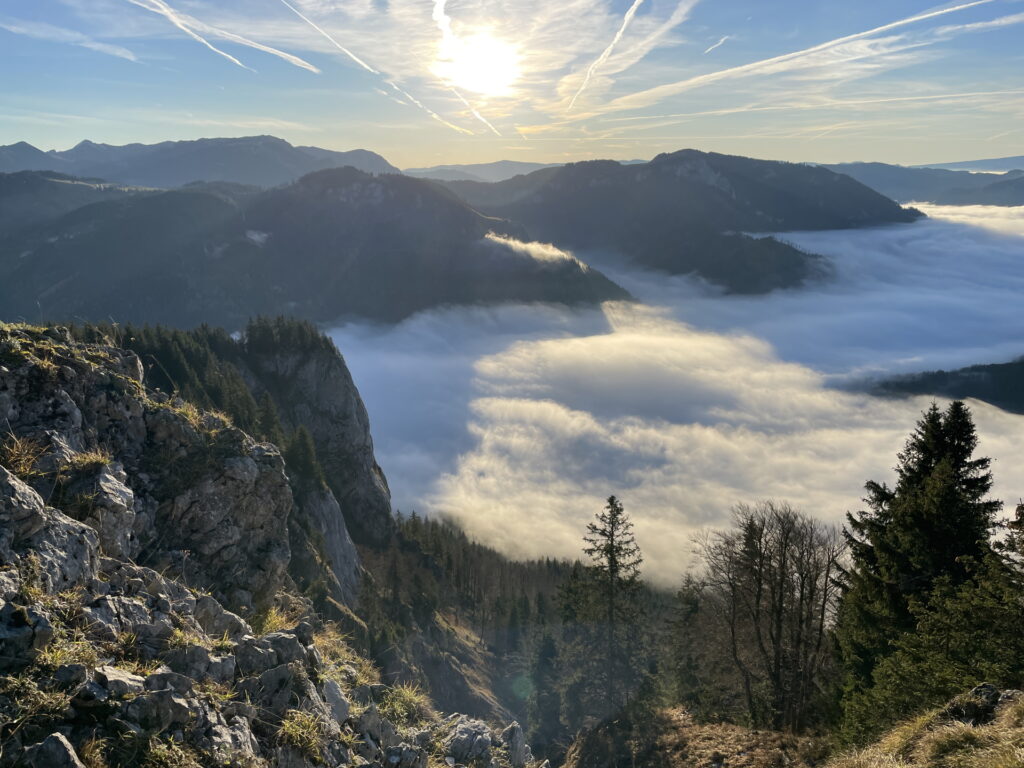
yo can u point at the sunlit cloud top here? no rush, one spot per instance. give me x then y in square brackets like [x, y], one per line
[425, 81]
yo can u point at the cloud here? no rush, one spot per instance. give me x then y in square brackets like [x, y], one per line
[630, 13]
[191, 27]
[329, 38]
[833, 57]
[719, 44]
[519, 421]
[160, 7]
[541, 252]
[42, 31]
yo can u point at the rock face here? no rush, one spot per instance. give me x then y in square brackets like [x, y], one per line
[316, 391]
[136, 536]
[146, 477]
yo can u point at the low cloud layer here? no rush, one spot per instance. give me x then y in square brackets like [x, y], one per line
[518, 421]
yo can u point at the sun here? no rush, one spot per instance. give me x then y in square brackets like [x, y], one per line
[481, 63]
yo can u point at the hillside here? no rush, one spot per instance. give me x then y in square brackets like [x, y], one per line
[990, 165]
[939, 186]
[483, 172]
[1001, 384]
[670, 738]
[263, 161]
[980, 729]
[29, 197]
[686, 212]
[148, 614]
[336, 244]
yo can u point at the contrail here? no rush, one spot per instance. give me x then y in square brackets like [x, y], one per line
[653, 95]
[607, 51]
[428, 110]
[370, 69]
[719, 44]
[476, 114]
[444, 23]
[333, 42]
[302, 63]
[160, 7]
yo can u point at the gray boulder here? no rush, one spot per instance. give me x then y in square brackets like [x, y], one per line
[54, 752]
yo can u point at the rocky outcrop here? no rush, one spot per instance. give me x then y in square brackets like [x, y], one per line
[145, 476]
[146, 612]
[315, 390]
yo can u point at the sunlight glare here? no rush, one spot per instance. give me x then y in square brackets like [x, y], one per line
[480, 63]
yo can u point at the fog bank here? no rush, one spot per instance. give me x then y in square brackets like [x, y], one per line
[518, 421]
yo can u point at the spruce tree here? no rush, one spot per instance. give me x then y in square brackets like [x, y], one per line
[602, 601]
[545, 704]
[929, 527]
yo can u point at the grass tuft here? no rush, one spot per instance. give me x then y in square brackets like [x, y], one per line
[407, 705]
[20, 454]
[305, 732]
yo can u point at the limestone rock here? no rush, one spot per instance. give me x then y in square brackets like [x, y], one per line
[54, 752]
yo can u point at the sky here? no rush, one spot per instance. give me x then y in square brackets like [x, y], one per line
[426, 82]
[518, 421]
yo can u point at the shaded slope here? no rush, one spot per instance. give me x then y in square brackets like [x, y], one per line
[934, 185]
[1001, 384]
[684, 212]
[338, 243]
[28, 197]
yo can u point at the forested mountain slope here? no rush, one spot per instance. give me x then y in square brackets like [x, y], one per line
[936, 185]
[685, 212]
[1001, 384]
[337, 244]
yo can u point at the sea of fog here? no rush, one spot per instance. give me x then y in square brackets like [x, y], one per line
[518, 421]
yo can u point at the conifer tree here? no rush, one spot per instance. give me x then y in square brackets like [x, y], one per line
[929, 527]
[545, 704]
[615, 578]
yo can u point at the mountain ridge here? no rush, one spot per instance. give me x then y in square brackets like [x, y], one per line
[264, 161]
[337, 244]
[685, 212]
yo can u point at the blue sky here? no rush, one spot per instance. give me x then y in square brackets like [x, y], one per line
[433, 81]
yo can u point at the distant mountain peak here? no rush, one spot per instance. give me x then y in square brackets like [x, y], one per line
[263, 161]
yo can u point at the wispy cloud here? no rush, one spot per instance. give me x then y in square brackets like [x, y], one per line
[160, 7]
[719, 44]
[841, 50]
[607, 51]
[330, 39]
[192, 27]
[42, 31]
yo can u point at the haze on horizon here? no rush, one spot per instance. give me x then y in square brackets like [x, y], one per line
[453, 81]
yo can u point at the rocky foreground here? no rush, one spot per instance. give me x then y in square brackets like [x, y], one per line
[147, 615]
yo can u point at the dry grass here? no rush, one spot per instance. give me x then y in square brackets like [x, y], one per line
[305, 732]
[931, 741]
[89, 461]
[407, 705]
[338, 654]
[93, 753]
[670, 738]
[274, 619]
[20, 454]
[168, 754]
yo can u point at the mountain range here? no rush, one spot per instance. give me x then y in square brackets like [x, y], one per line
[501, 170]
[939, 185]
[263, 161]
[991, 165]
[687, 212]
[345, 243]
[337, 243]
